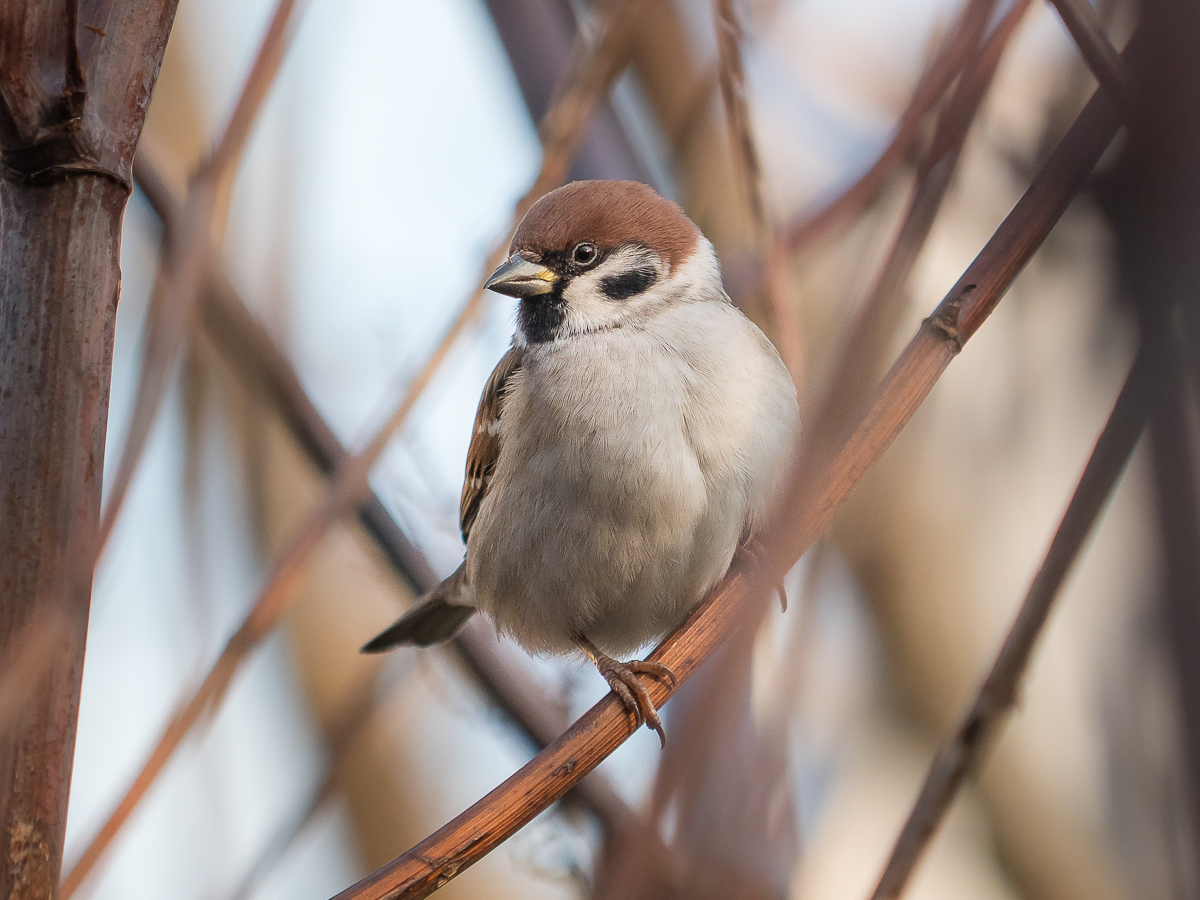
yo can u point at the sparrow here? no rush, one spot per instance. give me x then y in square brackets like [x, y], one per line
[627, 444]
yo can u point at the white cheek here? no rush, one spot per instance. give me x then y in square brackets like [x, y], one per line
[587, 306]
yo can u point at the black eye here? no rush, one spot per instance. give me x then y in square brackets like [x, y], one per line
[585, 254]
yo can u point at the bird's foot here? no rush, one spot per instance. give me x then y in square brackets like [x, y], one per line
[623, 679]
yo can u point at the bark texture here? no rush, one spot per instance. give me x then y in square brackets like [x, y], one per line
[75, 81]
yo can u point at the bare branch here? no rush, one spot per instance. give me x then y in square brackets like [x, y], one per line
[806, 509]
[856, 365]
[737, 109]
[187, 248]
[930, 89]
[1099, 53]
[960, 755]
[22, 672]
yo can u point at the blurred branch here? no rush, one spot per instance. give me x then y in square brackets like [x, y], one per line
[855, 367]
[951, 56]
[592, 74]
[805, 511]
[187, 247]
[538, 36]
[783, 327]
[997, 697]
[1101, 56]
[730, 36]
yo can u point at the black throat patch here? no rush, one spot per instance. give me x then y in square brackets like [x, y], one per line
[540, 317]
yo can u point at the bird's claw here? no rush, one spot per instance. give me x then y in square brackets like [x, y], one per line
[623, 679]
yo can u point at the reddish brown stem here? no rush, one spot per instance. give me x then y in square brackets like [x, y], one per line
[1099, 53]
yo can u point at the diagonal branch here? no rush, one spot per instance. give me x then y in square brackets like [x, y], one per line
[855, 366]
[186, 251]
[1101, 56]
[807, 507]
[997, 697]
[931, 88]
[593, 74]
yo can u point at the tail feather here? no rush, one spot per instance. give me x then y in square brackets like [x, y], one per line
[432, 620]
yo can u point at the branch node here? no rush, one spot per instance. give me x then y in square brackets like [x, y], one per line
[944, 320]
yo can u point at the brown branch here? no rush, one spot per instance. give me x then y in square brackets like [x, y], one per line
[783, 326]
[806, 510]
[930, 89]
[64, 184]
[187, 248]
[593, 73]
[730, 36]
[24, 670]
[1097, 50]
[997, 697]
[856, 365]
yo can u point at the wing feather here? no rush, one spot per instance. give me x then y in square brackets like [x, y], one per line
[485, 440]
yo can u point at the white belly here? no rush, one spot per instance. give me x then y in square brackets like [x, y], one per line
[626, 479]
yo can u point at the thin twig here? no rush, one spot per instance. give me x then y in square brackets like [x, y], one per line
[730, 36]
[806, 510]
[997, 697]
[931, 87]
[783, 327]
[1097, 50]
[855, 367]
[187, 247]
[592, 74]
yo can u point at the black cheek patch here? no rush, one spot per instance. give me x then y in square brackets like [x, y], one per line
[625, 285]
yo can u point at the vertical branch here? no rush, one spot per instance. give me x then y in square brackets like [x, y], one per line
[737, 109]
[1153, 200]
[75, 81]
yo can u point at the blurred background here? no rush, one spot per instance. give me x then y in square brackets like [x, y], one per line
[383, 170]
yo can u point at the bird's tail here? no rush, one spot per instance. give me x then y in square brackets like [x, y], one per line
[431, 620]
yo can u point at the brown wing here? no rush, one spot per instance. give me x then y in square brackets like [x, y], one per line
[485, 441]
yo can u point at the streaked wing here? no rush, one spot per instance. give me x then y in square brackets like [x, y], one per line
[485, 441]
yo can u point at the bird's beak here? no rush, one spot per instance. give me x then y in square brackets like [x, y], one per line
[521, 278]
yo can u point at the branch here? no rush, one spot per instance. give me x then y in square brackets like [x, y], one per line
[1099, 53]
[930, 89]
[959, 756]
[563, 126]
[185, 258]
[855, 366]
[730, 36]
[806, 511]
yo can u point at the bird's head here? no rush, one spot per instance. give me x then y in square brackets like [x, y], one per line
[596, 255]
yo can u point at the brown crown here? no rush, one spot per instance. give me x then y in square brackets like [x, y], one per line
[609, 213]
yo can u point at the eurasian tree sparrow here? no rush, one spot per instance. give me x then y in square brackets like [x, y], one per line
[625, 446]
